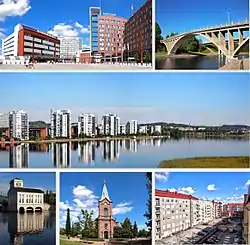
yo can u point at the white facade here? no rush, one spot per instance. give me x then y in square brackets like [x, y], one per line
[122, 129]
[10, 43]
[24, 199]
[69, 47]
[4, 120]
[87, 124]
[19, 125]
[61, 124]
[156, 128]
[143, 129]
[61, 155]
[111, 125]
[132, 127]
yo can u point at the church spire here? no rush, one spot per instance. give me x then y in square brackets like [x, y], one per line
[105, 192]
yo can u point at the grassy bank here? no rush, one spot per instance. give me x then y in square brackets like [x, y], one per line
[207, 162]
[65, 242]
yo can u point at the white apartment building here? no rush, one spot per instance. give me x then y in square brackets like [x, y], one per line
[122, 129]
[69, 47]
[156, 128]
[22, 200]
[175, 212]
[4, 120]
[19, 125]
[111, 125]
[87, 124]
[132, 127]
[60, 124]
[143, 129]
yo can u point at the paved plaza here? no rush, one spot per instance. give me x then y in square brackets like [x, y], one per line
[74, 67]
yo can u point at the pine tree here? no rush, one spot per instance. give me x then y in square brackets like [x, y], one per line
[135, 230]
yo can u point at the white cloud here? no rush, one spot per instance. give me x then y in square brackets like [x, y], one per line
[247, 184]
[84, 198]
[69, 30]
[161, 176]
[2, 35]
[172, 190]
[211, 187]
[187, 190]
[13, 8]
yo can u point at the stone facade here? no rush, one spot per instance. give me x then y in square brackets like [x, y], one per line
[106, 222]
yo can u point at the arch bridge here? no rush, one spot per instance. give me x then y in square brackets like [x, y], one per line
[216, 35]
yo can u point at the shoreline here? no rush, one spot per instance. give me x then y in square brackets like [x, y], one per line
[207, 162]
[246, 137]
[186, 55]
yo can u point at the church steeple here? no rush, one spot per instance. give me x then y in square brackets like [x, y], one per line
[105, 192]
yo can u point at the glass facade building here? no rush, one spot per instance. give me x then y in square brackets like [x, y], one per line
[94, 12]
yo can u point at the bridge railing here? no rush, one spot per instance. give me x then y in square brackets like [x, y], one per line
[242, 22]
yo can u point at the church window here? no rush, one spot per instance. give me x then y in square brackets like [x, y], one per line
[106, 226]
[105, 212]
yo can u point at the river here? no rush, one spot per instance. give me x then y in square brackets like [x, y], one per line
[210, 62]
[27, 229]
[147, 153]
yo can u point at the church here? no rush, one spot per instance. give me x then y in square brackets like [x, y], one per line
[106, 222]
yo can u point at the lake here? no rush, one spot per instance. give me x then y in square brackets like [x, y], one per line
[27, 229]
[146, 153]
[210, 62]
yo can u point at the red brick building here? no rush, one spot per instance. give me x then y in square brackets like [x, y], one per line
[83, 57]
[111, 36]
[106, 222]
[230, 209]
[28, 41]
[38, 132]
[138, 32]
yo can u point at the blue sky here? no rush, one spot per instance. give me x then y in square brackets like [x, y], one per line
[59, 17]
[222, 186]
[196, 98]
[127, 191]
[33, 180]
[180, 16]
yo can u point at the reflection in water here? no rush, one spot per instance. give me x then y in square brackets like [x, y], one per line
[92, 153]
[191, 62]
[22, 226]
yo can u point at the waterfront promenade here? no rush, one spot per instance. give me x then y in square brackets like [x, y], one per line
[76, 67]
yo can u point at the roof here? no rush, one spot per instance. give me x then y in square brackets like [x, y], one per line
[167, 193]
[29, 190]
[105, 194]
[233, 204]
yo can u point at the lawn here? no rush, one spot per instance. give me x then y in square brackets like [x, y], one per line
[64, 242]
[207, 162]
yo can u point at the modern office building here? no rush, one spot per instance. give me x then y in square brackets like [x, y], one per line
[111, 125]
[19, 125]
[111, 36]
[70, 47]
[87, 124]
[175, 212]
[60, 124]
[28, 41]
[4, 120]
[132, 127]
[94, 13]
[138, 32]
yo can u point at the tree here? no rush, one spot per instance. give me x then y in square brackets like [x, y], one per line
[148, 213]
[135, 230]
[68, 224]
[87, 224]
[147, 57]
[118, 232]
[158, 37]
[137, 57]
[142, 233]
[76, 229]
[126, 228]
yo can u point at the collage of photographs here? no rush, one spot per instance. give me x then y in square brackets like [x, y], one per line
[124, 122]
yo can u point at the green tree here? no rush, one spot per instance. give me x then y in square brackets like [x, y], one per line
[142, 233]
[87, 224]
[158, 37]
[148, 213]
[135, 230]
[76, 229]
[68, 224]
[126, 228]
[147, 57]
[118, 232]
[137, 57]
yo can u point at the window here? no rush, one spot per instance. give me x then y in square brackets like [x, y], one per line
[106, 226]
[105, 212]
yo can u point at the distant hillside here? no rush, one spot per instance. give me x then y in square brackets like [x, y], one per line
[3, 198]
